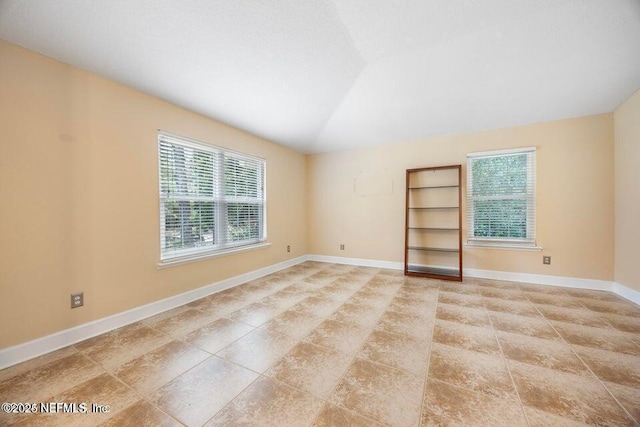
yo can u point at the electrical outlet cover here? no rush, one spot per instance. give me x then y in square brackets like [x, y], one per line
[77, 300]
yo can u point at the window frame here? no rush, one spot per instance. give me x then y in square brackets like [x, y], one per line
[530, 197]
[219, 198]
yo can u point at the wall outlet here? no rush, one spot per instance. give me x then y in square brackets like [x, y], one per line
[342, 246]
[288, 248]
[77, 300]
[546, 260]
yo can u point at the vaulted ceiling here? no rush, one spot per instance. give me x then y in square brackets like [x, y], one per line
[324, 75]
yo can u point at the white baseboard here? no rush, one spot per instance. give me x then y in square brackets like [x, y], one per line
[362, 262]
[625, 292]
[567, 282]
[19, 353]
[539, 279]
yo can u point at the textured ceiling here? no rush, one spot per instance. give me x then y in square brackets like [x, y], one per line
[322, 75]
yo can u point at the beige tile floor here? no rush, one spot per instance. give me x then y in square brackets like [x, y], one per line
[336, 345]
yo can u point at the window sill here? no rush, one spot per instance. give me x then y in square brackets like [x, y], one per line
[505, 246]
[171, 262]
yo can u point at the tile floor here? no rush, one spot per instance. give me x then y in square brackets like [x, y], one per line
[336, 345]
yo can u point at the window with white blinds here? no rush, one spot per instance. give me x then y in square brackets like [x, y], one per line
[211, 198]
[501, 197]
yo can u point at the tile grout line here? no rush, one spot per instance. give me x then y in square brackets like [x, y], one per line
[355, 357]
[172, 337]
[135, 391]
[506, 364]
[10, 376]
[339, 381]
[355, 354]
[301, 340]
[111, 372]
[589, 368]
[227, 345]
[601, 315]
[426, 375]
[352, 412]
[233, 398]
[211, 355]
[228, 317]
[145, 398]
[181, 339]
[603, 384]
[260, 375]
[589, 310]
[99, 365]
[571, 347]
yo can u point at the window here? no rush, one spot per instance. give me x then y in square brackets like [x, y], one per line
[211, 199]
[501, 198]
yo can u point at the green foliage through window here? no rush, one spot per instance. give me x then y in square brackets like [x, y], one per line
[500, 197]
[210, 198]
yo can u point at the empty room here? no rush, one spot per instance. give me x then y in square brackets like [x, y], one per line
[320, 213]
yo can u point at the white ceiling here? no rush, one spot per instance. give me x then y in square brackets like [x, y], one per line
[325, 75]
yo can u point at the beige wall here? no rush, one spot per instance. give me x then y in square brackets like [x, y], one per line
[627, 192]
[79, 197]
[357, 197]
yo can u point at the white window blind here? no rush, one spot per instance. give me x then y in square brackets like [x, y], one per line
[211, 198]
[501, 204]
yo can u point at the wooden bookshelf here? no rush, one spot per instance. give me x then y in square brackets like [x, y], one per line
[433, 223]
